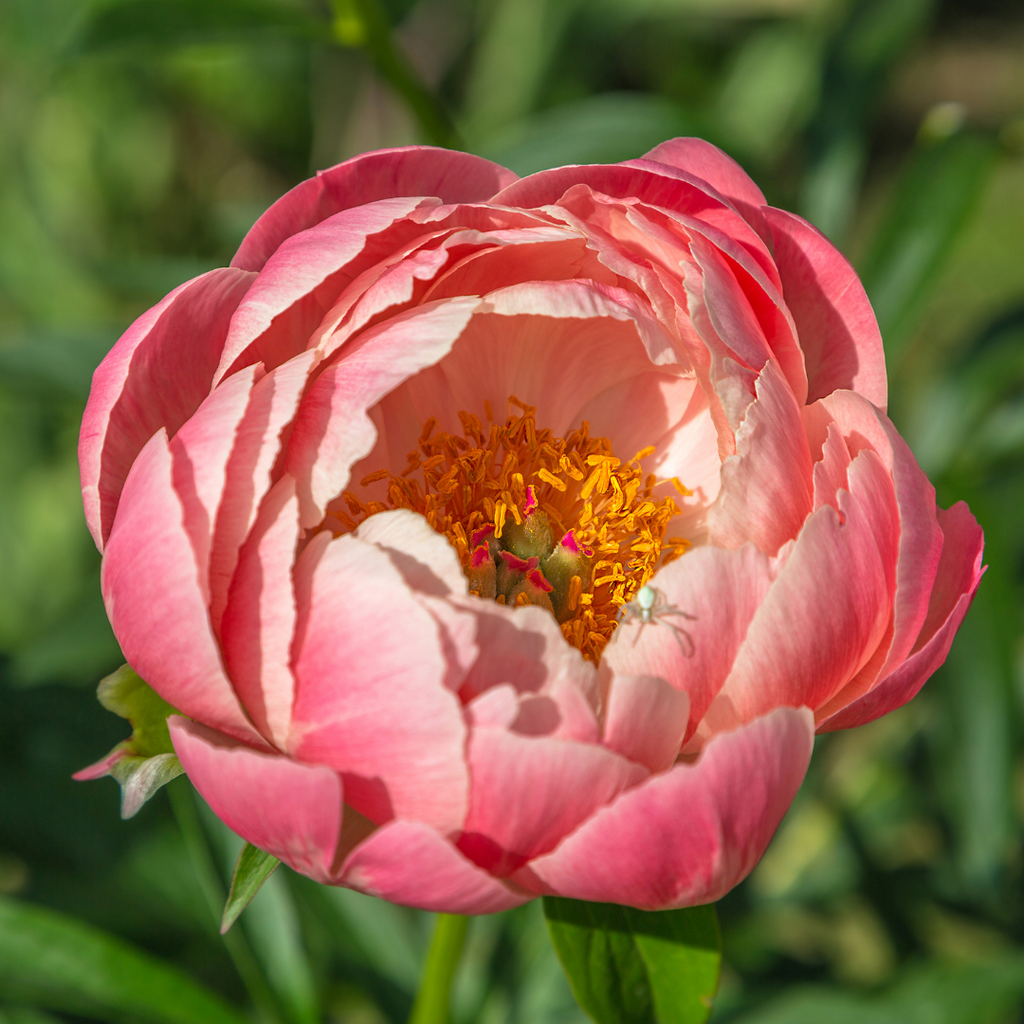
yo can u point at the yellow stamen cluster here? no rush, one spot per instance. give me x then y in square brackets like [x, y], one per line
[481, 477]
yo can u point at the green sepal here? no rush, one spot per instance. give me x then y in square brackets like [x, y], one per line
[252, 869]
[146, 760]
[646, 967]
[140, 777]
[125, 694]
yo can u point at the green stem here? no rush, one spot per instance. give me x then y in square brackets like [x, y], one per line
[433, 1002]
[393, 67]
[213, 891]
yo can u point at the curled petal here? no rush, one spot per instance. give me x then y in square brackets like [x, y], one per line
[290, 810]
[689, 835]
[451, 176]
[409, 863]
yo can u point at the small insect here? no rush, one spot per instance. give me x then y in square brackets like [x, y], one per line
[650, 607]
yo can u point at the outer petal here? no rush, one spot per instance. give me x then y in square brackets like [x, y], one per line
[689, 835]
[529, 791]
[371, 699]
[838, 331]
[408, 171]
[259, 621]
[155, 602]
[155, 376]
[302, 279]
[718, 169]
[956, 581]
[408, 863]
[291, 810]
[809, 637]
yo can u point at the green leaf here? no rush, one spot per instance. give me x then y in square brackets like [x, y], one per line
[140, 777]
[169, 23]
[252, 869]
[934, 199]
[638, 966]
[57, 963]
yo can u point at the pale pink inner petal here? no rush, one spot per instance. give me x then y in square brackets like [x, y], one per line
[364, 647]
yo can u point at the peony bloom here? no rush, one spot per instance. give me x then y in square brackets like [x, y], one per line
[501, 537]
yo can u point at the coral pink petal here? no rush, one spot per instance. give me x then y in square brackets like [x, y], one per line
[767, 486]
[646, 720]
[364, 647]
[155, 602]
[809, 637]
[838, 330]
[719, 591]
[529, 791]
[451, 176]
[650, 183]
[333, 430]
[302, 279]
[259, 621]
[249, 472]
[426, 560]
[409, 863]
[920, 537]
[956, 581]
[524, 647]
[718, 169]
[290, 810]
[201, 450]
[559, 346]
[689, 835]
[143, 384]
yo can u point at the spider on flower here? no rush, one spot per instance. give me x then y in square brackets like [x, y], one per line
[650, 607]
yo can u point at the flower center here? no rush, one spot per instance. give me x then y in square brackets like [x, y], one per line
[537, 519]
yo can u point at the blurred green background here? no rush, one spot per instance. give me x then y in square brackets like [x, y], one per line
[139, 141]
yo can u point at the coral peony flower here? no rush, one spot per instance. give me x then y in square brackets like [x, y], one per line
[502, 537]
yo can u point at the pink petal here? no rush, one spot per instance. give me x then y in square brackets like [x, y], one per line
[408, 863]
[524, 647]
[332, 430]
[920, 539]
[155, 603]
[646, 720]
[718, 169]
[155, 376]
[287, 809]
[529, 791]
[201, 450]
[364, 647]
[767, 487]
[452, 176]
[257, 443]
[809, 636]
[259, 620]
[956, 582]
[689, 835]
[650, 183]
[426, 560]
[838, 331]
[302, 279]
[722, 590]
